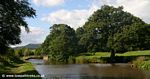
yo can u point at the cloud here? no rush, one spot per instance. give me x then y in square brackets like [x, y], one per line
[140, 8]
[36, 2]
[74, 18]
[48, 3]
[36, 35]
[78, 17]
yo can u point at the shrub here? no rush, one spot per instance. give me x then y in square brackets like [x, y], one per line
[142, 63]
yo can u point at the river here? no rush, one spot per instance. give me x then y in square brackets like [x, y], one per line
[88, 71]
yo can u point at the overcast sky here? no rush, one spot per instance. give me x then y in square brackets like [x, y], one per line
[74, 13]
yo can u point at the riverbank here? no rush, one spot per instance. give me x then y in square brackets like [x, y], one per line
[103, 57]
[32, 57]
[14, 67]
[142, 63]
[133, 57]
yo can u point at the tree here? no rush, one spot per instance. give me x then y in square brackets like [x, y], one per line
[79, 33]
[87, 39]
[107, 27]
[27, 52]
[60, 43]
[133, 37]
[38, 51]
[12, 17]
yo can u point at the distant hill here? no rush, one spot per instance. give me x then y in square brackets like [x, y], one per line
[30, 46]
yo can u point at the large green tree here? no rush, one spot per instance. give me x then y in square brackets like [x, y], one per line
[60, 43]
[108, 28]
[12, 17]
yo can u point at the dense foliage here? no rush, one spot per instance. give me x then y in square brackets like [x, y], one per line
[24, 52]
[60, 43]
[12, 17]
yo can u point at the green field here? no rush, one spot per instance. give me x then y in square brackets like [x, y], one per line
[107, 54]
[99, 56]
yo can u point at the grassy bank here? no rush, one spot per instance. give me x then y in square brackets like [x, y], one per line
[32, 57]
[103, 57]
[13, 66]
[142, 63]
[128, 57]
[107, 54]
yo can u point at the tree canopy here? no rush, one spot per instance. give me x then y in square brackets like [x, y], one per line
[12, 18]
[112, 30]
[60, 43]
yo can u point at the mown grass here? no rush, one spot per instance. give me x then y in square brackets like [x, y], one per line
[103, 57]
[140, 59]
[136, 53]
[107, 54]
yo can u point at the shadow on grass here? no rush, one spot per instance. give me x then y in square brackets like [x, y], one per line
[121, 59]
[85, 54]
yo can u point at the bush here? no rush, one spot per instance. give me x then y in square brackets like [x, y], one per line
[71, 60]
[84, 59]
[142, 63]
[81, 60]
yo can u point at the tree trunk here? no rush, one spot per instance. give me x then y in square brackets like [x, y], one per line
[112, 56]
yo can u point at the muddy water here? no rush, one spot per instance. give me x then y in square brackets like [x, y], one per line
[89, 71]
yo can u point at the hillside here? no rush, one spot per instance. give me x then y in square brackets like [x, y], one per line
[30, 46]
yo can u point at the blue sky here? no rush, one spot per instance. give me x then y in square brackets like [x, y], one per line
[74, 13]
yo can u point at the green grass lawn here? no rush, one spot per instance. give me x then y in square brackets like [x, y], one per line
[96, 58]
[107, 54]
[135, 53]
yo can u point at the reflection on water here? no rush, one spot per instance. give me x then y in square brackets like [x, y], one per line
[88, 71]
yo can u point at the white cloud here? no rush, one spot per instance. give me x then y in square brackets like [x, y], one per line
[73, 18]
[48, 3]
[76, 18]
[36, 2]
[36, 35]
[140, 8]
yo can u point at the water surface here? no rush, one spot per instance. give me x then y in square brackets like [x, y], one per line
[88, 71]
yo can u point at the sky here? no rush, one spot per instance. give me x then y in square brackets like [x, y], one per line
[73, 13]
